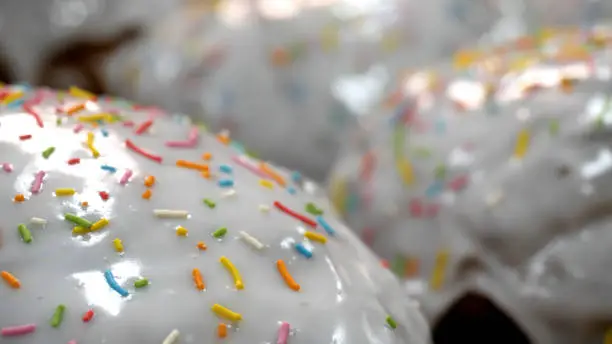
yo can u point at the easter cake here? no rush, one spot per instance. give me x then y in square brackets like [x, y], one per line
[121, 224]
[484, 183]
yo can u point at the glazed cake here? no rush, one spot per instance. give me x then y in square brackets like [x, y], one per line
[287, 78]
[121, 224]
[485, 185]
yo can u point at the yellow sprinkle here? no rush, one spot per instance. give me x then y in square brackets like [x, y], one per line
[522, 143]
[99, 224]
[233, 271]
[181, 231]
[97, 117]
[12, 97]
[266, 183]
[118, 245]
[90, 141]
[465, 58]
[437, 277]
[338, 194]
[64, 192]
[78, 230]
[315, 237]
[404, 167]
[80, 93]
[226, 313]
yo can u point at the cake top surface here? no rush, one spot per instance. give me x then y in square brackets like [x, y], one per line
[121, 224]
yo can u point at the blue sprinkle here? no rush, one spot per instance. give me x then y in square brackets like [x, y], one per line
[226, 183]
[440, 126]
[108, 168]
[237, 146]
[15, 104]
[110, 279]
[434, 189]
[325, 225]
[352, 202]
[303, 250]
[291, 190]
[104, 132]
[296, 177]
[225, 169]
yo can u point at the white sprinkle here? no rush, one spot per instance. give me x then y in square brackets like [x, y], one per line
[167, 213]
[38, 221]
[493, 198]
[228, 193]
[264, 208]
[249, 239]
[172, 337]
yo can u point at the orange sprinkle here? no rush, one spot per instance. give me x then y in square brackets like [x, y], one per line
[191, 165]
[75, 109]
[222, 330]
[201, 246]
[280, 57]
[207, 156]
[272, 174]
[282, 268]
[206, 174]
[146, 194]
[566, 85]
[223, 138]
[10, 279]
[84, 204]
[197, 279]
[19, 198]
[149, 181]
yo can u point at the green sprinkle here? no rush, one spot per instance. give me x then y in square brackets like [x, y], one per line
[440, 171]
[600, 124]
[399, 265]
[141, 283]
[209, 203]
[58, 316]
[391, 322]
[313, 209]
[79, 221]
[25, 233]
[553, 127]
[47, 152]
[421, 152]
[220, 233]
[58, 121]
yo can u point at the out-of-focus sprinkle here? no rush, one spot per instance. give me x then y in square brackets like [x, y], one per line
[201, 246]
[109, 168]
[315, 237]
[222, 330]
[104, 195]
[209, 203]
[7, 167]
[283, 333]
[149, 181]
[225, 183]
[301, 249]
[325, 226]
[14, 331]
[266, 183]
[172, 338]
[522, 144]
[146, 194]
[391, 322]
[312, 209]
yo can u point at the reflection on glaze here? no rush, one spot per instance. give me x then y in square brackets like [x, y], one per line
[492, 175]
[125, 272]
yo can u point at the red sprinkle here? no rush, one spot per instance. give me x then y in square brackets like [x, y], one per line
[88, 315]
[31, 111]
[74, 161]
[384, 263]
[104, 195]
[416, 208]
[142, 152]
[25, 137]
[290, 212]
[458, 183]
[143, 127]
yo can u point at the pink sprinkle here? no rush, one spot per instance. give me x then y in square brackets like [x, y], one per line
[28, 108]
[192, 140]
[17, 330]
[72, 342]
[240, 161]
[78, 128]
[194, 134]
[128, 124]
[283, 333]
[126, 177]
[38, 180]
[458, 183]
[368, 236]
[7, 167]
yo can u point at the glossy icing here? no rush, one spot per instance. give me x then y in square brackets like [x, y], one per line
[345, 295]
[493, 177]
[288, 78]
